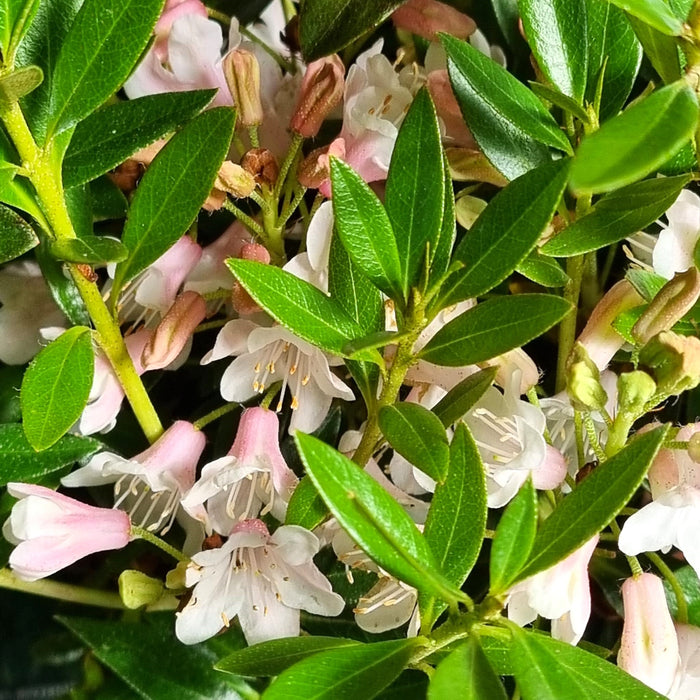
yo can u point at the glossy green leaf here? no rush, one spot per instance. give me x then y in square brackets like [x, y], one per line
[56, 386]
[542, 270]
[558, 35]
[442, 250]
[102, 46]
[173, 189]
[506, 232]
[594, 502]
[456, 520]
[379, 339]
[21, 462]
[410, 685]
[16, 191]
[463, 396]
[547, 669]
[109, 136]
[326, 26]
[466, 674]
[638, 141]
[647, 284]
[417, 435]
[91, 250]
[364, 228]
[374, 520]
[415, 188]
[617, 215]
[15, 18]
[108, 201]
[359, 671]
[661, 50]
[655, 13]
[306, 508]
[19, 83]
[559, 99]
[273, 657]
[493, 327]
[508, 121]
[514, 538]
[16, 235]
[690, 585]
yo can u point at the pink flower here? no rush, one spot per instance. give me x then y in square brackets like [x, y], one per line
[52, 530]
[428, 17]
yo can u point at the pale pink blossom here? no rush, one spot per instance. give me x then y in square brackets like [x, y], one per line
[52, 531]
[427, 18]
[686, 685]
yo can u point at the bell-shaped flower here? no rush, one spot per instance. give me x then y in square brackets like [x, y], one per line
[263, 579]
[686, 685]
[561, 593]
[673, 251]
[52, 531]
[252, 480]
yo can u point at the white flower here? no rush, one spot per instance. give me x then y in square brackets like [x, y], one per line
[686, 685]
[263, 580]
[673, 251]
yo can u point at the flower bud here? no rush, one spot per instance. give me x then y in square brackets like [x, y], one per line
[428, 17]
[674, 361]
[634, 390]
[262, 165]
[242, 302]
[235, 180]
[321, 90]
[583, 381]
[136, 589]
[315, 169]
[471, 165]
[242, 74]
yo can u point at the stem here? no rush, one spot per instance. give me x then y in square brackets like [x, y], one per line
[147, 535]
[214, 415]
[567, 328]
[294, 147]
[635, 566]
[667, 573]
[593, 438]
[251, 224]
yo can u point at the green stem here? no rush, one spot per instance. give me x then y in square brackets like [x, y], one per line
[251, 224]
[291, 207]
[567, 328]
[142, 533]
[667, 573]
[635, 566]
[214, 415]
[593, 438]
[294, 147]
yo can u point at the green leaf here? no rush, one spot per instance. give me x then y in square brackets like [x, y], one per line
[103, 44]
[15, 18]
[559, 99]
[21, 462]
[364, 228]
[326, 26]
[647, 284]
[56, 386]
[493, 327]
[506, 232]
[417, 435]
[415, 188]
[546, 669]
[463, 396]
[273, 657]
[508, 121]
[594, 502]
[109, 136]
[306, 508]
[661, 50]
[655, 13]
[92, 250]
[17, 192]
[617, 215]
[638, 141]
[557, 33]
[108, 201]
[16, 235]
[466, 674]
[374, 520]
[542, 270]
[19, 83]
[456, 520]
[442, 250]
[359, 671]
[514, 538]
[173, 189]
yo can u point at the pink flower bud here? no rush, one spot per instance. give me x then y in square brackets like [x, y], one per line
[321, 90]
[428, 17]
[52, 530]
[315, 169]
[242, 73]
[175, 329]
[242, 302]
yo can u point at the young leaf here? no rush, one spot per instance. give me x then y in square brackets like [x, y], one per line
[364, 228]
[617, 215]
[109, 136]
[557, 32]
[357, 671]
[661, 50]
[547, 669]
[417, 435]
[508, 121]
[440, 255]
[594, 503]
[102, 46]
[514, 538]
[415, 188]
[505, 232]
[16, 235]
[638, 141]
[656, 13]
[559, 99]
[15, 18]
[91, 250]
[463, 396]
[56, 386]
[493, 327]
[173, 189]
[542, 270]
[306, 508]
[374, 520]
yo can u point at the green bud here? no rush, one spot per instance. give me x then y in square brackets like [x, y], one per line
[175, 578]
[694, 447]
[583, 381]
[634, 390]
[673, 361]
[136, 589]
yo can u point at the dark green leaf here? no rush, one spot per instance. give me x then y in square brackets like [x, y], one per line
[493, 327]
[417, 435]
[10, 381]
[661, 50]
[360, 671]
[16, 235]
[559, 99]
[79, 207]
[326, 26]
[379, 339]
[17, 192]
[463, 396]
[56, 386]
[21, 462]
[108, 201]
[690, 585]
[306, 508]
[374, 520]
[638, 141]
[109, 136]
[546, 669]
[440, 255]
[514, 538]
[101, 48]
[173, 189]
[594, 503]
[15, 18]
[542, 270]
[508, 121]
[410, 685]
[92, 250]
[656, 13]
[617, 215]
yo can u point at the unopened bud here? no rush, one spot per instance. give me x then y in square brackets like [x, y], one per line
[694, 447]
[232, 178]
[315, 169]
[673, 360]
[262, 165]
[242, 302]
[242, 73]
[669, 306]
[136, 589]
[583, 381]
[321, 90]
[175, 579]
[428, 17]
[634, 390]
[173, 332]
